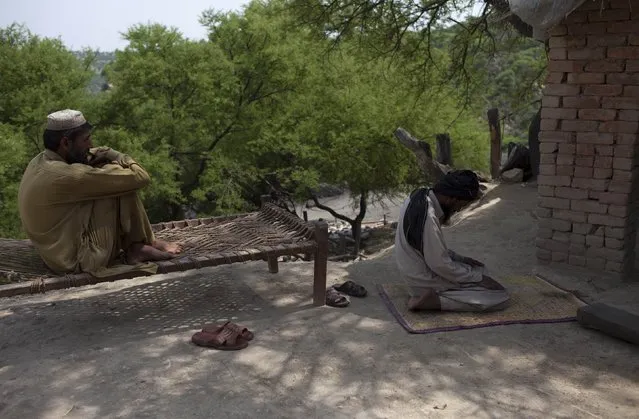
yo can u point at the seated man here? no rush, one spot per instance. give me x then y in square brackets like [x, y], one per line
[440, 279]
[79, 205]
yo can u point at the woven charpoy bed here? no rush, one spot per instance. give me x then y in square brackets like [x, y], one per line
[266, 235]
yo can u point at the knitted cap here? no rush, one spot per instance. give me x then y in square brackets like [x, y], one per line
[65, 120]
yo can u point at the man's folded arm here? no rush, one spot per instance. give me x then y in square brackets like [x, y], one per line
[439, 260]
[80, 182]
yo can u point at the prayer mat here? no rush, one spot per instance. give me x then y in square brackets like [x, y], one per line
[532, 300]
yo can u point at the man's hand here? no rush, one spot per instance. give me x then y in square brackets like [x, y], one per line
[99, 159]
[472, 262]
[489, 283]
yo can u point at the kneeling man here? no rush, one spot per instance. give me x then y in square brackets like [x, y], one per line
[79, 205]
[438, 278]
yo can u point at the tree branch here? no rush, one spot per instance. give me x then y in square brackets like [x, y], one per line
[330, 210]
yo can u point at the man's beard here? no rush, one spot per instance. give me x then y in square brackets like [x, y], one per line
[77, 156]
[448, 212]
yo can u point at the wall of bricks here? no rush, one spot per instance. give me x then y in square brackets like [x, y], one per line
[588, 188]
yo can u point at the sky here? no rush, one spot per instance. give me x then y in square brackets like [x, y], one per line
[98, 23]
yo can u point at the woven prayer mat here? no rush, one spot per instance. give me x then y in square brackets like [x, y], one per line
[533, 300]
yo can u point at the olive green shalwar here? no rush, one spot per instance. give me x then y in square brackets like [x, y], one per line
[79, 217]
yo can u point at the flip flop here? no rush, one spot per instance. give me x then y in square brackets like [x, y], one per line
[336, 299]
[352, 289]
[224, 340]
[242, 331]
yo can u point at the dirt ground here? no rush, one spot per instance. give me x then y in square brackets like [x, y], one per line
[122, 350]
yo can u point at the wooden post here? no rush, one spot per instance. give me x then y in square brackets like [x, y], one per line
[305, 214]
[495, 142]
[444, 150]
[320, 264]
[272, 264]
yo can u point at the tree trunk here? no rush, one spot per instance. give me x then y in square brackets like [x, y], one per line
[495, 142]
[433, 171]
[444, 149]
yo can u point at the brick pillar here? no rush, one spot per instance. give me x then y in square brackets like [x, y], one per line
[590, 123]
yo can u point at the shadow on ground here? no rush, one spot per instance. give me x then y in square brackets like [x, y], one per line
[123, 350]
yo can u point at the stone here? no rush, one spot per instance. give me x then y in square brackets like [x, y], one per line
[611, 321]
[513, 176]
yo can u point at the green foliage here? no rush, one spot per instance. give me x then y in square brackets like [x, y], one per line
[261, 97]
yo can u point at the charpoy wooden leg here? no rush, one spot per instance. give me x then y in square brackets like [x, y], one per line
[272, 264]
[320, 263]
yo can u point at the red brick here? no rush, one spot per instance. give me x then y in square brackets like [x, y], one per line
[577, 249]
[584, 161]
[555, 203]
[626, 78]
[582, 172]
[558, 30]
[603, 90]
[592, 194]
[565, 170]
[548, 147]
[544, 233]
[615, 232]
[556, 54]
[559, 257]
[585, 149]
[604, 150]
[632, 66]
[588, 206]
[591, 184]
[595, 138]
[606, 220]
[599, 173]
[578, 16]
[571, 193]
[625, 139]
[624, 151]
[622, 27]
[607, 254]
[622, 175]
[633, 39]
[596, 263]
[547, 169]
[619, 186]
[620, 4]
[561, 90]
[619, 126]
[574, 216]
[543, 255]
[578, 238]
[618, 210]
[560, 225]
[577, 260]
[613, 243]
[608, 40]
[594, 241]
[620, 103]
[567, 41]
[561, 236]
[626, 115]
[566, 66]
[614, 266]
[547, 158]
[543, 212]
[581, 228]
[631, 52]
[578, 125]
[549, 124]
[603, 162]
[587, 28]
[553, 180]
[550, 102]
[543, 190]
[556, 137]
[585, 78]
[559, 113]
[597, 114]
[602, 66]
[555, 77]
[631, 91]
[609, 15]
[581, 102]
[567, 149]
[589, 54]
[565, 160]
[622, 163]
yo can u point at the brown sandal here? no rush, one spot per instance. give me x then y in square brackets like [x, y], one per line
[225, 339]
[242, 331]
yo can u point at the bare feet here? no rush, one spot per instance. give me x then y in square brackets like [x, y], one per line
[168, 247]
[428, 301]
[139, 252]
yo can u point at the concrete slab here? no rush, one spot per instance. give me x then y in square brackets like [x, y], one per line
[610, 320]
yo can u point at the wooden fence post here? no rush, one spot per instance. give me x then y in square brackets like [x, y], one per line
[444, 149]
[495, 142]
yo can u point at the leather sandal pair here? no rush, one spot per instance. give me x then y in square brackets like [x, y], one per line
[224, 337]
